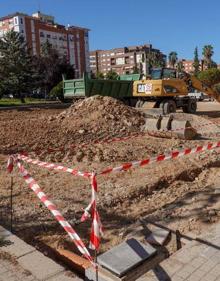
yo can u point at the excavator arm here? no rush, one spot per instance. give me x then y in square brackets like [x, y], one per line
[193, 81]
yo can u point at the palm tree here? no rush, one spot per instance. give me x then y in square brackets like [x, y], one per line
[207, 53]
[173, 58]
[180, 66]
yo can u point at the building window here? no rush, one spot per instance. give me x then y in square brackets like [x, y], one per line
[21, 21]
[41, 34]
[120, 61]
[16, 21]
[48, 35]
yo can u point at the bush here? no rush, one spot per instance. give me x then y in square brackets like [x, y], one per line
[210, 76]
[57, 92]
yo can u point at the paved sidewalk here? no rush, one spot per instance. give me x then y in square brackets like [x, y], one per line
[13, 272]
[22, 262]
[198, 260]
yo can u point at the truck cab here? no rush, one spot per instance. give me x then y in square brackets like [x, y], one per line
[163, 73]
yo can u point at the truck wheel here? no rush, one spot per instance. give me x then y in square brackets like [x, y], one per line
[191, 106]
[168, 106]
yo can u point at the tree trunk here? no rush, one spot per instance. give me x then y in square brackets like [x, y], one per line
[21, 95]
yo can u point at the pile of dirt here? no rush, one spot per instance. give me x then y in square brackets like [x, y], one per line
[98, 117]
[86, 121]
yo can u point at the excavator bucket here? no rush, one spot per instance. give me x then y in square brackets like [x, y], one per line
[168, 127]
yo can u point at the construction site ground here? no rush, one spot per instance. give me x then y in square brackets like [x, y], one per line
[180, 193]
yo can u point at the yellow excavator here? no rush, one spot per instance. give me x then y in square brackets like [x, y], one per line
[169, 89]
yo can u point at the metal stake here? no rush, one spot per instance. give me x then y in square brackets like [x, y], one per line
[96, 268]
[11, 203]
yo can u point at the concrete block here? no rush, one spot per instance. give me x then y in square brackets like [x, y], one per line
[4, 232]
[39, 265]
[158, 236]
[134, 274]
[16, 247]
[125, 256]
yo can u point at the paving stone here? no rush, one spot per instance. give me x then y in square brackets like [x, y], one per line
[198, 261]
[193, 277]
[199, 272]
[186, 271]
[2, 268]
[210, 264]
[209, 277]
[175, 278]
[16, 247]
[64, 277]
[39, 265]
[215, 270]
[125, 256]
[171, 266]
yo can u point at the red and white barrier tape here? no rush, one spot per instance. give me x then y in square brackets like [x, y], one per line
[52, 166]
[97, 230]
[50, 206]
[162, 157]
[96, 223]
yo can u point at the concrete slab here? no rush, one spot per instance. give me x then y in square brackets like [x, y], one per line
[126, 256]
[40, 266]
[16, 247]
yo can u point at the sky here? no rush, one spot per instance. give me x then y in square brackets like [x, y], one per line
[169, 25]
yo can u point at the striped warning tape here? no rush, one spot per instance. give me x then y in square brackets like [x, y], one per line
[96, 222]
[97, 230]
[160, 158]
[33, 185]
[52, 166]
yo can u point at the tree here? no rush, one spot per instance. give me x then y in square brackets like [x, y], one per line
[51, 67]
[112, 75]
[57, 91]
[99, 75]
[207, 53]
[217, 88]
[180, 66]
[173, 59]
[210, 76]
[136, 70]
[156, 59]
[16, 66]
[196, 63]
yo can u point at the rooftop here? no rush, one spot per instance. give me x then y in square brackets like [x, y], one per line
[46, 19]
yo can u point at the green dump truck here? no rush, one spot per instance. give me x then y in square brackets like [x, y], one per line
[86, 87]
[165, 86]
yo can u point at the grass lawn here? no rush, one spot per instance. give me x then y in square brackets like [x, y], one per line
[13, 102]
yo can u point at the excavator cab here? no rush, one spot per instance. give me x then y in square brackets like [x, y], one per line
[163, 73]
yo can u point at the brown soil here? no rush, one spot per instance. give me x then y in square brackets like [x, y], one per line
[181, 194]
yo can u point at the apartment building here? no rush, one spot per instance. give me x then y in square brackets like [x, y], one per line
[70, 41]
[188, 65]
[121, 60]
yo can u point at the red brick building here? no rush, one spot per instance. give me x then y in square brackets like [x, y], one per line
[71, 41]
[121, 60]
